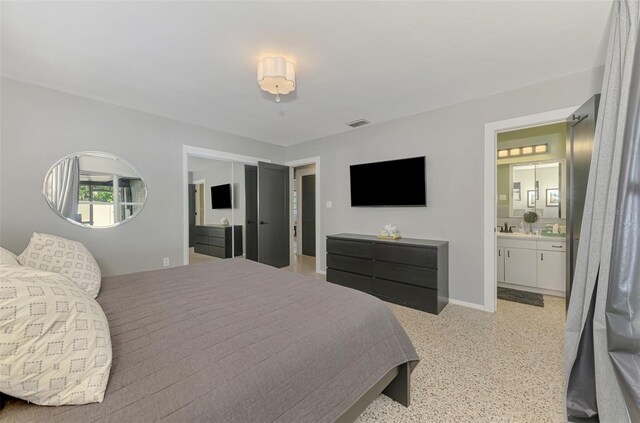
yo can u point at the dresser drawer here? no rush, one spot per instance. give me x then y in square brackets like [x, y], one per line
[216, 231]
[202, 239]
[218, 242]
[416, 256]
[201, 248]
[350, 248]
[399, 293]
[414, 275]
[350, 280]
[216, 251]
[350, 264]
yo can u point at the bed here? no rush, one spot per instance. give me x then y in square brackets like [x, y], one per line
[238, 341]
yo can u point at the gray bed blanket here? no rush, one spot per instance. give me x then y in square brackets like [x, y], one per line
[235, 341]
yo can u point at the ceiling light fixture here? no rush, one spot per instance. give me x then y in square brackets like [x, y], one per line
[276, 76]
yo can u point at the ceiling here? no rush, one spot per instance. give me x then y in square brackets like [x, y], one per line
[196, 61]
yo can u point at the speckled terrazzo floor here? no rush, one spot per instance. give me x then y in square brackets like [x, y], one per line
[481, 367]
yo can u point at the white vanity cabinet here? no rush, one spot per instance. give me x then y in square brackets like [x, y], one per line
[551, 265]
[534, 263]
[520, 266]
[500, 257]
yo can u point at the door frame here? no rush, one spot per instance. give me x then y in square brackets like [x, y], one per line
[299, 189]
[297, 163]
[197, 183]
[205, 153]
[491, 131]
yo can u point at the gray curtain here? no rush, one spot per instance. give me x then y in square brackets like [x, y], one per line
[602, 335]
[62, 187]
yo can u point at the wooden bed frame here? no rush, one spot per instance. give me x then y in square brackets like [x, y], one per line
[396, 384]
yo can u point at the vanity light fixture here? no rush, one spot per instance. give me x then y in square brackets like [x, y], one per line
[276, 75]
[523, 151]
[542, 148]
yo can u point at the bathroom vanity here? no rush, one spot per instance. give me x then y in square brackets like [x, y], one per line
[532, 263]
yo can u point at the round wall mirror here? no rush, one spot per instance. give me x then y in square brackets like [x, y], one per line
[95, 189]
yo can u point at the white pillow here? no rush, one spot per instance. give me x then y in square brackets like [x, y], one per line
[55, 346]
[60, 255]
[7, 257]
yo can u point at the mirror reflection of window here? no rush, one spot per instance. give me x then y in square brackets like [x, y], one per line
[95, 189]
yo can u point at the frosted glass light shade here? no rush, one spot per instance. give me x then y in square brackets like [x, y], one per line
[276, 75]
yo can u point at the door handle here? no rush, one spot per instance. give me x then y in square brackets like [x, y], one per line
[262, 222]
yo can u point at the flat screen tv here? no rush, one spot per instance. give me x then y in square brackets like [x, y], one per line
[393, 183]
[221, 196]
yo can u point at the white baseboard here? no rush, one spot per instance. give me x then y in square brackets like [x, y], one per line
[322, 272]
[466, 304]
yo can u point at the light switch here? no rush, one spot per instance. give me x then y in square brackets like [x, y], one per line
[503, 197]
[329, 204]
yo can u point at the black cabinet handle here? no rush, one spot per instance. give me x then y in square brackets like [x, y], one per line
[250, 222]
[541, 256]
[509, 254]
[262, 222]
[499, 253]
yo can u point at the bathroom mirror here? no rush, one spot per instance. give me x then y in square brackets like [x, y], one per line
[536, 187]
[95, 189]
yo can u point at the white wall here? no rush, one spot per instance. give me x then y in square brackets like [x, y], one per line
[40, 126]
[452, 138]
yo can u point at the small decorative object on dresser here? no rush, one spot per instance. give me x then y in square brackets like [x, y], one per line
[389, 232]
[409, 272]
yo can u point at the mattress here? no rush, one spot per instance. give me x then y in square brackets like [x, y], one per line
[235, 341]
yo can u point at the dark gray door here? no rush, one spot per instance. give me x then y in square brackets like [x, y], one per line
[251, 210]
[308, 209]
[192, 215]
[581, 127]
[273, 214]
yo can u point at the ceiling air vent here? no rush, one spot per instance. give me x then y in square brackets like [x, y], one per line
[359, 122]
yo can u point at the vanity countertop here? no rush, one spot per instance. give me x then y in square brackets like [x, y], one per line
[532, 237]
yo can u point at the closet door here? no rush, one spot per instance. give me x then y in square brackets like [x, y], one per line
[251, 212]
[273, 214]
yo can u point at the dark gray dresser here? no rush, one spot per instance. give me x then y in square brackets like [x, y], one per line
[215, 240]
[410, 272]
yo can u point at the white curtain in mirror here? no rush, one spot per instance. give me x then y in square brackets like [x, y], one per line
[61, 187]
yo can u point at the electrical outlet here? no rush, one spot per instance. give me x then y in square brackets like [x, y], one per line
[166, 262]
[329, 204]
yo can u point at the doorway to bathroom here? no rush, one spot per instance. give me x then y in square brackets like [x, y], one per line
[534, 199]
[531, 213]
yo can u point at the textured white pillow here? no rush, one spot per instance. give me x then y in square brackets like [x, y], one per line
[7, 257]
[55, 346]
[60, 255]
